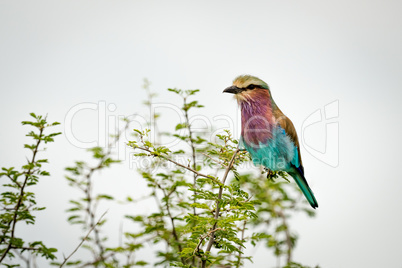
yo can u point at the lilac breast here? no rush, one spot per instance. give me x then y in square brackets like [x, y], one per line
[257, 121]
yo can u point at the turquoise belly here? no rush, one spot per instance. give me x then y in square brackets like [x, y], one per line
[277, 153]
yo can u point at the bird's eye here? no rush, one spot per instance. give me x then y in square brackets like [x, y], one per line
[251, 86]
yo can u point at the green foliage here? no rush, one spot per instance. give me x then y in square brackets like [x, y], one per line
[207, 210]
[277, 206]
[18, 203]
[202, 219]
[297, 265]
[83, 211]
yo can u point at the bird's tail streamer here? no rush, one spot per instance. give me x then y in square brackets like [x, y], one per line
[298, 176]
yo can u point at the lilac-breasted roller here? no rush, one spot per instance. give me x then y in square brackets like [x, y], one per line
[266, 133]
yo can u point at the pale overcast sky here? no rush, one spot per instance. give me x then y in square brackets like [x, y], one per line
[342, 55]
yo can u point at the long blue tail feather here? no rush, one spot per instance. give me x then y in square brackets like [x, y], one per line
[298, 176]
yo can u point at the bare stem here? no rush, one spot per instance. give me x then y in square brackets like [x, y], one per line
[190, 134]
[83, 240]
[288, 236]
[178, 164]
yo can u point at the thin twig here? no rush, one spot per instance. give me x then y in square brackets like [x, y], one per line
[91, 204]
[95, 263]
[83, 240]
[15, 181]
[215, 160]
[176, 237]
[288, 236]
[92, 208]
[178, 164]
[27, 260]
[25, 248]
[22, 195]
[212, 239]
[203, 237]
[242, 238]
[190, 134]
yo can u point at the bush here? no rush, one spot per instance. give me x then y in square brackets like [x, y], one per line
[204, 217]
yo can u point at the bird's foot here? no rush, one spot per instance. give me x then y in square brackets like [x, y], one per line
[270, 173]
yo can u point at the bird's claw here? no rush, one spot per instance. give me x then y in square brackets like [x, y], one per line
[269, 173]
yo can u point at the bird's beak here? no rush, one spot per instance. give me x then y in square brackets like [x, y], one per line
[232, 89]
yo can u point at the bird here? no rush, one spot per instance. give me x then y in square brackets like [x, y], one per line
[266, 133]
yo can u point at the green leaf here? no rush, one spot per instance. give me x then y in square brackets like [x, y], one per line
[177, 91]
[141, 263]
[181, 126]
[104, 196]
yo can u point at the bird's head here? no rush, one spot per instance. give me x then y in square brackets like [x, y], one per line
[246, 87]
